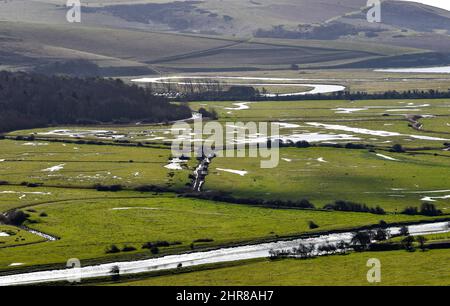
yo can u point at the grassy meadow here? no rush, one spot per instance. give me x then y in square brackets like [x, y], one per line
[72, 165]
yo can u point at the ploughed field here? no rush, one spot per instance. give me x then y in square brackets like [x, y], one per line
[55, 174]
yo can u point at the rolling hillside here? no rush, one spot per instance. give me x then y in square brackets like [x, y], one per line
[127, 37]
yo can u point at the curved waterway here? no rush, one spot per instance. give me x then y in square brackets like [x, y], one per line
[199, 258]
[268, 82]
[442, 69]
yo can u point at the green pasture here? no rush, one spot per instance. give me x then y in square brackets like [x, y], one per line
[87, 165]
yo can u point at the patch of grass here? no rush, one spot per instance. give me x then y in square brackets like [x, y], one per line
[17, 237]
[350, 175]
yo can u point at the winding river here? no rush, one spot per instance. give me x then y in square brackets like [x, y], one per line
[199, 258]
[268, 82]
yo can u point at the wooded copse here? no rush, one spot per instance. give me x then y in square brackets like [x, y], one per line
[33, 100]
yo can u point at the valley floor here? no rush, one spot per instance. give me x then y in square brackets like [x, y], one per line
[54, 175]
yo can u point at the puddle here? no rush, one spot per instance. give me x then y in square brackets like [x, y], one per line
[349, 110]
[386, 157]
[106, 134]
[370, 132]
[54, 168]
[35, 144]
[317, 137]
[286, 125]
[240, 106]
[175, 164]
[241, 173]
[19, 192]
[434, 199]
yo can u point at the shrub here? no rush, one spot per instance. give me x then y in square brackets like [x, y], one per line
[355, 146]
[128, 249]
[397, 149]
[427, 209]
[113, 249]
[381, 235]
[410, 211]
[430, 210]
[304, 204]
[404, 231]
[421, 240]
[161, 244]
[33, 185]
[361, 241]
[312, 225]
[115, 273]
[354, 207]
[212, 114]
[408, 243]
[203, 240]
[150, 188]
[302, 144]
[154, 250]
[383, 224]
[15, 217]
[112, 188]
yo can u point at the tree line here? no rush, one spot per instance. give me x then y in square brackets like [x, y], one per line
[33, 100]
[238, 93]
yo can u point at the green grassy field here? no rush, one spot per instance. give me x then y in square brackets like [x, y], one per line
[88, 165]
[16, 237]
[23, 197]
[398, 268]
[324, 175]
